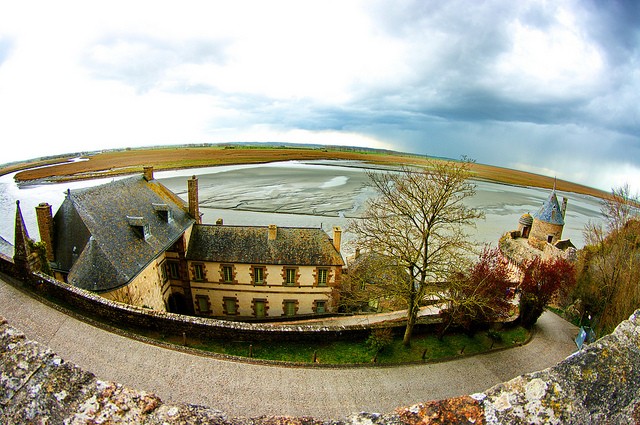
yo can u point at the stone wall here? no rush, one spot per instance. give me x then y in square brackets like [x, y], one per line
[517, 249]
[144, 290]
[540, 231]
[142, 319]
[597, 385]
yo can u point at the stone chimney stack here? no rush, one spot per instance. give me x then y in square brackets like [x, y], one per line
[148, 173]
[194, 208]
[45, 227]
[563, 209]
[337, 237]
[273, 232]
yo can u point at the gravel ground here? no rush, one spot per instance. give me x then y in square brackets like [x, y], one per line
[252, 390]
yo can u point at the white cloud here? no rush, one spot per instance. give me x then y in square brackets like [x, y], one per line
[504, 82]
[554, 61]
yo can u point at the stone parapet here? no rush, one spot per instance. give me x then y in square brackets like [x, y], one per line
[596, 385]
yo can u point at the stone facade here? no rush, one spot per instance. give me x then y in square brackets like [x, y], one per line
[145, 290]
[263, 272]
[543, 233]
[214, 293]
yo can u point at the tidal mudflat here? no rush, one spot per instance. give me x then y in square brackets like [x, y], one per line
[296, 193]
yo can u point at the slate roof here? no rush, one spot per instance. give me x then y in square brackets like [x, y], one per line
[550, 211]
[526, 219]
[6, 247]
[95, 240]
[250, 245]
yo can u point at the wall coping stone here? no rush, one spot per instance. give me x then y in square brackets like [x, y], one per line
[598, 384]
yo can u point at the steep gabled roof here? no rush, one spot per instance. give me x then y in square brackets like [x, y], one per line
[251, 245]
[550, 211]
[95, 240]
[6, 248]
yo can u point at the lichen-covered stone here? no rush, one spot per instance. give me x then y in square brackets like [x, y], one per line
[600, 384]
[36, 385]
[459, 410]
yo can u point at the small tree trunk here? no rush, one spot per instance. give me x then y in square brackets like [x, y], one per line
[411, 314]
[411, 320]
[406, 341]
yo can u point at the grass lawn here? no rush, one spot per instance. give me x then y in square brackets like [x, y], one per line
[353, 352]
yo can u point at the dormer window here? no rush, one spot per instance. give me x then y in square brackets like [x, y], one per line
[140, 226]
[163, 212]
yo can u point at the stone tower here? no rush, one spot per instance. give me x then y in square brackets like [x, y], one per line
[548, 222]
[524, 225]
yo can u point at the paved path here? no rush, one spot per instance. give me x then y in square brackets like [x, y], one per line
[253, 390]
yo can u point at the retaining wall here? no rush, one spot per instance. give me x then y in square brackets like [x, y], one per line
[141, 319]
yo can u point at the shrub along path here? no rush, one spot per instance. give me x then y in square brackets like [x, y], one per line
[250, 390]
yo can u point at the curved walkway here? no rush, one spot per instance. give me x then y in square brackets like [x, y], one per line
[249, 390]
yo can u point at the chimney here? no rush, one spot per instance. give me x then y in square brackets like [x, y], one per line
[194, 208]
[337, 237]
[148, 173]
[45, 227]
[563, 209]
[273, 232]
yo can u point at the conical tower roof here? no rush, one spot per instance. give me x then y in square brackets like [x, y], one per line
[21, 237]
[550, 211]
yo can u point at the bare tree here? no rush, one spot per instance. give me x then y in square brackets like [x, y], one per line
[418, 221]
[366, 284]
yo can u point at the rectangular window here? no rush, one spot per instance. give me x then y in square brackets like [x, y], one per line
[258, 275]
[259, 308]
[203, 304]
[290, 277]
[227, 272]
[320, 306]
[230, 306]
[289, 308]
[322, 277]
[163, 271]
[173, 270]
[198, 272]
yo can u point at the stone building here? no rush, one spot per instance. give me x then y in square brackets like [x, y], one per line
[114, 239]
[539, 235]
[133, 240]
[241, 271]
[548, 222]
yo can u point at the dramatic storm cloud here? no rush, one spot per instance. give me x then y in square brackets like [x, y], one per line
[550, 87]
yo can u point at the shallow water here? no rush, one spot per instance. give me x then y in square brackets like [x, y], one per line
[311, 194]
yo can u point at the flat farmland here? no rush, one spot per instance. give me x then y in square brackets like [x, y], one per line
[109, 163]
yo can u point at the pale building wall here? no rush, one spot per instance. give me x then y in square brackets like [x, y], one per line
[213, 290]
[540, 231]
[145, 290]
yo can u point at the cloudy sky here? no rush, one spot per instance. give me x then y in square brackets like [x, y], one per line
[545, 86]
